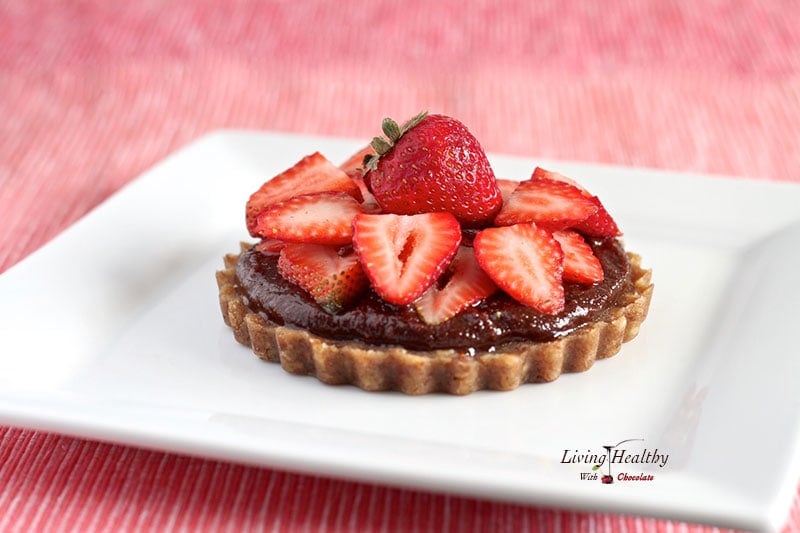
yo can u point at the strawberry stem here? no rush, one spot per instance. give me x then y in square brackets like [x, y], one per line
[393, 133]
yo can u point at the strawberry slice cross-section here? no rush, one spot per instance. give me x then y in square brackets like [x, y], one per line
[332, 277]
[465, 284]
[507, 188]
[354, 167]
[270, 246]
[549, 203]
[600, 224]
[526, 262]
[313, 173]
[540, 173]
[321, 218]
[580, 263]
[403, 255]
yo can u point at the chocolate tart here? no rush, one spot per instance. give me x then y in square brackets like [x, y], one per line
[418, 367]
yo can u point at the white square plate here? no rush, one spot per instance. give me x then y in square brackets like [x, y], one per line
[112, 331]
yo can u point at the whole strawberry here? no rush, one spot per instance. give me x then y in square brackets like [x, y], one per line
[432, 164]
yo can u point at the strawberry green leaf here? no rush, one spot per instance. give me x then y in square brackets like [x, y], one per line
[391, 130]
[413, 122]
[380, 145]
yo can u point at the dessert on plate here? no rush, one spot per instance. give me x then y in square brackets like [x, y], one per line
[411, 267]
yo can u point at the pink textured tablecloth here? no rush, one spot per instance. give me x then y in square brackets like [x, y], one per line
[92, 93]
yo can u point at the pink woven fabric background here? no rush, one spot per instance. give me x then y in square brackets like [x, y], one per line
[92, 93]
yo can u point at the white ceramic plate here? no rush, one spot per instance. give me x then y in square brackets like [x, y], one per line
[112, 331]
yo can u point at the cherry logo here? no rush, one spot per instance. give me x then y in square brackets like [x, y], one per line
[608, 478]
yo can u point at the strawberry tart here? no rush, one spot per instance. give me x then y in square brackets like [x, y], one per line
[411, 267]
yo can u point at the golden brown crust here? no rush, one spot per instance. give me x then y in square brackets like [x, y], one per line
[375, 368]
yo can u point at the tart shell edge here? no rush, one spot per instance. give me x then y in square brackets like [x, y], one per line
[378, 368]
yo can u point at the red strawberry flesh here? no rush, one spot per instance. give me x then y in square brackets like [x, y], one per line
[332, 278]
[270, 246]
[526, 262]
[600, 224]
[553, 204]
[540, 173]
[466, 285]
[321, 218]
[313, 173]
[404, 254]
[580, 263]
[507, 187]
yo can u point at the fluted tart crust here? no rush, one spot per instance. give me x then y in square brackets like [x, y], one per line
[388, 367]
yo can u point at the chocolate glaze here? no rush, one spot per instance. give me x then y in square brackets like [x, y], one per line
[493, 322]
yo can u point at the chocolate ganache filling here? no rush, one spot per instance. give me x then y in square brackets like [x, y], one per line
[495, 321]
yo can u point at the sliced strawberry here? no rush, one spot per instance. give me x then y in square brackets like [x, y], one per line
[355, 163]
[554, 204]
[332, 278]
[507, 187]
[526, 262]
[354, 167]
[320, 218]
[466, 284]
[369, 201]
[404, 254]
[270, 246]
[580, 263]
[541, 174]
[313, 173]
[600, 224]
